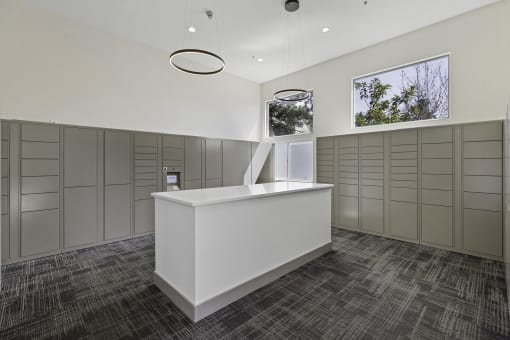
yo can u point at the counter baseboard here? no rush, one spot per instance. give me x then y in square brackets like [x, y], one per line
[198, 312]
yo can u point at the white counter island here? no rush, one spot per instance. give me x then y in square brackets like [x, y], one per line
[214, 246]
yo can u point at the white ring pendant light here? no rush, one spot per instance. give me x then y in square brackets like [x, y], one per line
[194, 52]
[292, 94]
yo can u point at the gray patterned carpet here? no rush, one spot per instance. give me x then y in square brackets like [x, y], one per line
[368, 288]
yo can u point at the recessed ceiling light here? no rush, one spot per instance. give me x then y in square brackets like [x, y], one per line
[260, 60]
[325, 29]
[192, 29]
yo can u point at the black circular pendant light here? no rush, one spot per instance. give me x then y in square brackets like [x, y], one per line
[292, 94]
[190, 52]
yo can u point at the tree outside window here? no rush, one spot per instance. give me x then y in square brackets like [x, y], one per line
[290, 118]
[410, 93]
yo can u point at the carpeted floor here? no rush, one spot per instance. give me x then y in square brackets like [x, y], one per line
[369, 288]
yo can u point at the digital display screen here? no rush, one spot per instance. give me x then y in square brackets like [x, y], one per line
[171, 179]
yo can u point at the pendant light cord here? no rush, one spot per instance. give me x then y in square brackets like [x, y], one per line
[215, 18]
[305, 71]
[186, 22]
[286, 59]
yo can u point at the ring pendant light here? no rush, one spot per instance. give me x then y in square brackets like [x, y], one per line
[200, 52]
[292, 94]
[192, 51]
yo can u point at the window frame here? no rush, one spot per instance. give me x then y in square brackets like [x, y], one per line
[393, 68]
[295, 137]
[287, 146]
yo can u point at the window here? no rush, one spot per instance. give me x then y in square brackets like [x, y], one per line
[289, 118]
[413, 92]
[294, 161]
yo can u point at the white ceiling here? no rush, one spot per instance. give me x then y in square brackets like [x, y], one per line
[258, 27]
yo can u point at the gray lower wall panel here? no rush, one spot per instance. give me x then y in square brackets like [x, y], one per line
[40, 232]
[80, 216]
[75, 171]
[442, 185]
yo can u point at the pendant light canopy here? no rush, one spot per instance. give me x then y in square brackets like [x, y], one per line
[191, 53]
[292, 94]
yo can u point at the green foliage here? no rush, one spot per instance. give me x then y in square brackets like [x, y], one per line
[290, 118]
[399, 108]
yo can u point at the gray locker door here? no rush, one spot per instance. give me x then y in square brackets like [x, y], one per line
[236, 159]
[325, 168]
[117, 209]
[80, 187]
[173, 141]
[39, 232]
[213, 183]
[144, 216]
[147, 175]
[80, 216]
[213, 162]
[80, 157]
[193, 159]
[190, 185]
[4, 171]
[117, 157]
[40, 192]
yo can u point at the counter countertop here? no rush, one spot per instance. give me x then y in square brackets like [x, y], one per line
[199, 197]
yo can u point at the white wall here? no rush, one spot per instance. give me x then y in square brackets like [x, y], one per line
[53, 69]
[479, 71]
